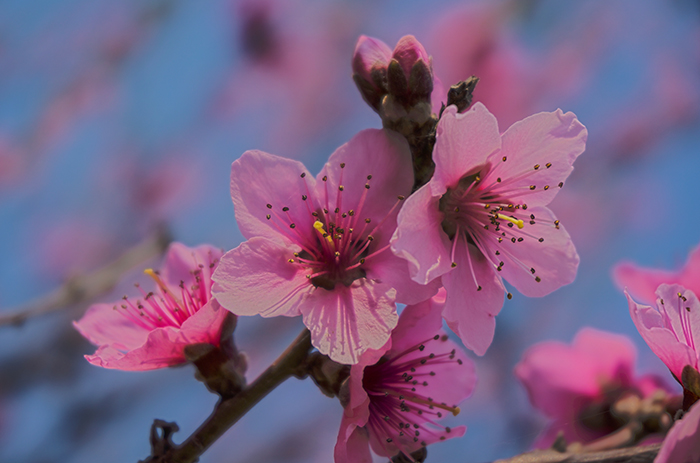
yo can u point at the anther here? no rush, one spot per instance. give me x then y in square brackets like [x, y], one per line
[341, 187]
[342, 165]
[561, 184]
[303, 197]
[454, 264]
[509, 296]
[478, 288]
[498, 179]
[537, 166]
[546, 187]
[401, 197]
[268, 216]
[292, 225]
[541, 240]
[538, 279]
[548, 165]
[368, 220]
[325, 178]
[303, 174]
[532, 270]
[367, 186]
[504, 158]
[285, 209]
[532, 187]
[369, 177]
[269, 206]
[517, 222]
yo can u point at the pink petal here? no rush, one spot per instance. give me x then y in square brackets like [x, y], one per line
[427, 434]
[352, 445]
[385, 156]
[408, 51]
[555, 138]
[181, 260]
[393, 271]
[102, 324]
[555, 260]
[464, 142]
[642, 282]
[205, 324]
[419, 237]
[348, 321]
[256, 278]
[452, 382]
[470, 312]
[259, 179]
[662, 331]
[161, 349]
[682, 443]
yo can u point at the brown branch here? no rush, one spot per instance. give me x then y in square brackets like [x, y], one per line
[86, 287]
[229, 411]
[639, 454]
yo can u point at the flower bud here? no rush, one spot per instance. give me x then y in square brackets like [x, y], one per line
[416, 66]
[369, 65]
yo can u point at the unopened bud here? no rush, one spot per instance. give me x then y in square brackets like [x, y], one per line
[369, 66]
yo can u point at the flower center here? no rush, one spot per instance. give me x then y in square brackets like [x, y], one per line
[399, 406]
[341, 241]
[168, 306]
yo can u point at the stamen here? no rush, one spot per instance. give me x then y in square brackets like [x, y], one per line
[517, 222]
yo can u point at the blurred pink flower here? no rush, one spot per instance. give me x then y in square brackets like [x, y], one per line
[670, 329]
[575, 384]
[472, 40]
[483, 215]
[395, 394]
[682, 443]
[152, 332]
[320, 247]
[642, 282]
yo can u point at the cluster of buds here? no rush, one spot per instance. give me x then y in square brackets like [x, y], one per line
[393, 81]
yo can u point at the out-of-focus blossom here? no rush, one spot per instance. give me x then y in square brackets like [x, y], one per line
[482, 216]
[682, 443]
[672, 327]
[12, 161]
[320, 247]
[289, 61]
[576, 385]
[642, 282]
[395, 394]
[153, 330]
[369, 65]
[472, 40]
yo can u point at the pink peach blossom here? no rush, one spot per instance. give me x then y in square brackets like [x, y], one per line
[320, 247]
[563, 381]
[152, 332]
[682, 443]
[395, 394]
[483, 217]
[642, 282]
[670, 329]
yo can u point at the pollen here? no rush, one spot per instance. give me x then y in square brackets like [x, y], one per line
[514, 221]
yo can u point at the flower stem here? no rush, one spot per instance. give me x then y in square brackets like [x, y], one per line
[229, 411]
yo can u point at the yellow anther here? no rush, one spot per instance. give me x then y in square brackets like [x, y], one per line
[517, 222]
[151, 273]
[456, 411]
[319, 227]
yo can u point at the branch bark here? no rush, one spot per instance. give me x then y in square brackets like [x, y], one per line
[89, 286]
[639, 454]
[229, 411]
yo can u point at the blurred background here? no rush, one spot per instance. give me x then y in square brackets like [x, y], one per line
[118, 118]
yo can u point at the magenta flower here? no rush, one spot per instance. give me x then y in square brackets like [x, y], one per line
[396, 394]
[642, 282]
[682, 443]
[575, 384]
[320, 247]
[152, 331]
[483, 217]
[672, 327]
